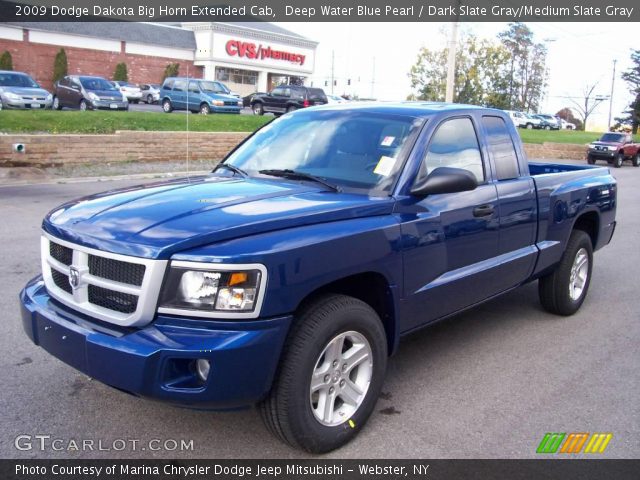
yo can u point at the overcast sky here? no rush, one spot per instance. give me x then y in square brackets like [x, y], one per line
[579, 54]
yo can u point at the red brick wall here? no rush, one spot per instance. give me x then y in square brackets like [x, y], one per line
[36, 59]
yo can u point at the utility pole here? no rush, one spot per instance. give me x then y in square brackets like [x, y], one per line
[333, 61]
[613, 82]
[451, 62]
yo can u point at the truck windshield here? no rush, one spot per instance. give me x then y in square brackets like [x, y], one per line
[358, 150]
[612, 137]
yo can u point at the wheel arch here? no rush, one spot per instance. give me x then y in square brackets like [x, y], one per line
[374, 289]
[589, 222]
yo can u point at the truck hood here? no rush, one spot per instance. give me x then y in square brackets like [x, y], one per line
[606, 144]
[158, 220]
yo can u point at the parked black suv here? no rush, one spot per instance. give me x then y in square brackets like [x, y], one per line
[287, 98]
[87, 93]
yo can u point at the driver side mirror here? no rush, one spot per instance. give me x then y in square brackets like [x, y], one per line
[445, 180]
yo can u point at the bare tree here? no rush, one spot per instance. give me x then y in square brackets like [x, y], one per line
[587, 103]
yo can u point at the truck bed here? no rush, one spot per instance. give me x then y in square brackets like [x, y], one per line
[564, 192]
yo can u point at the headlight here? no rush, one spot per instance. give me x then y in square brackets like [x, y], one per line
[240, 104]
[217, 103]
[612, 149]
[49, 97]
[12, 96]
[93, 97]
[592, 146]
[212, 290]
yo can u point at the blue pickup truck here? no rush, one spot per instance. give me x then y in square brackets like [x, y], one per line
[287, 276]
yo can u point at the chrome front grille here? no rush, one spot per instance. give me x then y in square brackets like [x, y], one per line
[110, 287]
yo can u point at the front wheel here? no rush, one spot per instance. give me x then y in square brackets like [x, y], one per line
[149, 99]
[258, 109]
[529, 126]
[56, 104]
[563, 290]
[591, 159]
[617, 161]
[330, 376]
[205, 109]
[636, 160]
[547, 127]
[83, 105]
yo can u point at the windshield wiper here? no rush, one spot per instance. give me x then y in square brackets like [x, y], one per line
[233, 168]
[295, 175]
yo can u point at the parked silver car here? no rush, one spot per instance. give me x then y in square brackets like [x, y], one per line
[150, 92]
[19, 90]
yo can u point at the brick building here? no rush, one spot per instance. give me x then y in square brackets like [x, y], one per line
[95, 48]
[246, 56]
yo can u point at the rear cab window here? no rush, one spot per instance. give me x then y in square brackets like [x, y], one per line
[501, 147]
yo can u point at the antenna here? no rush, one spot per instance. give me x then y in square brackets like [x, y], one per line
[188, 113]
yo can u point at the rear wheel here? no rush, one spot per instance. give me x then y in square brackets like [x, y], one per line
[617, 161]
[547, 127]
[529, 126]
[563, 291]
[291, 108]
[166, 106]
[636, 160]
[330, 376]
[258, 109]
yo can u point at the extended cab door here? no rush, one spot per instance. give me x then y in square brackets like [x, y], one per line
[517, 203]
[450, 241]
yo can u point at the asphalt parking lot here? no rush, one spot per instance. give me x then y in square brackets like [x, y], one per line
[488, 383]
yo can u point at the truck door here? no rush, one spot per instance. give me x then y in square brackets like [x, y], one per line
[517, 204]
[450, 240]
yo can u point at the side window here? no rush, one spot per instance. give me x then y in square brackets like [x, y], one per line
[193, 87]
[454, 144]
[179, 86]
[501, 148]
[64, 82]
[168, 85]
[277, 92]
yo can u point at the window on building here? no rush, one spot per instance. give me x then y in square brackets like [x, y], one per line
[233, 75]
[454, 144]
[501, 148]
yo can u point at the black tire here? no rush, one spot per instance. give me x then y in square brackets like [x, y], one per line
[591, 159]
[291, 108]
[205, 109]
[84, 106]
[287, 411]
[258, 108]
[547, 127]
[166, 106]
[149, 99]
[554, 289]
[529, 126]
[55, 105]
[617, 161]
[636, 160]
